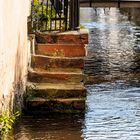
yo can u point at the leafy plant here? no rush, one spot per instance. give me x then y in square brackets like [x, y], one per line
[6, 122]
[41, 14]
[82, 26]
[30, 91]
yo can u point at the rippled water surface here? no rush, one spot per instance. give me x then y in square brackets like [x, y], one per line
[113, 69]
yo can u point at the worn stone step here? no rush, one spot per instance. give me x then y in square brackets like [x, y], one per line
[41, 105]
[62, 50]
[47, 62]
[54, 77]
[70, 70]
[69, 37]
[55, 90]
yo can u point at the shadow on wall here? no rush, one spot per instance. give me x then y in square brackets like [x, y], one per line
[19, 84]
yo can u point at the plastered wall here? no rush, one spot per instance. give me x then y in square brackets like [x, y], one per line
[13, 52]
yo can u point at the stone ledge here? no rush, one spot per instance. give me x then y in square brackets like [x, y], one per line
[54, 77]
[69, 37]
[71, 105]
[65, 50]
[45, 62]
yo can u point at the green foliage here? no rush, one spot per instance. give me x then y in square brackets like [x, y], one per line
[41, 14]
[30, 92]
[82, 26]
[6, 122]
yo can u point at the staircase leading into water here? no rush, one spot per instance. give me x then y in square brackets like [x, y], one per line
[55, 75]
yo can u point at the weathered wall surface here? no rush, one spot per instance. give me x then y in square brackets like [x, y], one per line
[13, 51]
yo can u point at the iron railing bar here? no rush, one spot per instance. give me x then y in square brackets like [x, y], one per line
[51, 19]
[42, 8]
[60, 10]
[66, 13]
[54, 15]
[46, 14]
[55, 20]
[119, 3]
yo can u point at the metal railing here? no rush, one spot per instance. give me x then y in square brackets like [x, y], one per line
[54, 15]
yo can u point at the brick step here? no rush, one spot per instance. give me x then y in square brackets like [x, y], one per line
[62, 50]
[69, 37]
[54, 90]
[41, 105]
[54, 77]
[47, 62]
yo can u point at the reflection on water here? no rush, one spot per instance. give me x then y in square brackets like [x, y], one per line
[50, 127]
[114, 47]
[113, 112]
[113, 67]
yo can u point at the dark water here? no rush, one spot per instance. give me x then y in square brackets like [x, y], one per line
[113, 68]
[53, 127]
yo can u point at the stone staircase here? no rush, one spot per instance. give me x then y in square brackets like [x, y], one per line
[55, 75]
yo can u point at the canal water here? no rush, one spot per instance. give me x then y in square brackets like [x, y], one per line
[113, 70]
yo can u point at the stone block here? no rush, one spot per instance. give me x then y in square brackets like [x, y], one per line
[69, 37]
[62, 50]
[56, 90]
[54, 77]
[45, 62]
[56, 106]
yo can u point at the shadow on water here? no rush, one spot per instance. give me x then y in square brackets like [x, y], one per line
[113, 68]
[49, 127]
